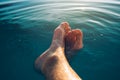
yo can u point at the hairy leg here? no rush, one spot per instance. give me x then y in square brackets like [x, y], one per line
[53, 62]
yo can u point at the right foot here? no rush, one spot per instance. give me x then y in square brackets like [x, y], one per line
[56, 48]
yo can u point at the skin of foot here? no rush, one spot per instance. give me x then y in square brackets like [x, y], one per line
[53, 63]
[73, 38]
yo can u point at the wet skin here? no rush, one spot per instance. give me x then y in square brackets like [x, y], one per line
[53, 63]
[73, 42]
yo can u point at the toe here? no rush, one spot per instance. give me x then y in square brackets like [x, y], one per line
[65, 26]
[77, 31]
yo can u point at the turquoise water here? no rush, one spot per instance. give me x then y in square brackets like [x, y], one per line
[26, 29]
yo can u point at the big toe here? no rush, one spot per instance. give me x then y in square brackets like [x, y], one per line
[60, 32]
[65, 26]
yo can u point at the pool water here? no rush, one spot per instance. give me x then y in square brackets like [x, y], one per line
[26, 29]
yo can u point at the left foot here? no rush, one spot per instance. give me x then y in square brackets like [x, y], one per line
[73, 40]
[56, 49]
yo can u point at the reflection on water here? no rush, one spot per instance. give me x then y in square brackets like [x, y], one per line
[26, 28]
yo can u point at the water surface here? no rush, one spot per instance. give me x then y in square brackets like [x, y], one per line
[26, 28]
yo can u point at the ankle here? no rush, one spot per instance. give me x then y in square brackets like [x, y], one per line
[50, 64]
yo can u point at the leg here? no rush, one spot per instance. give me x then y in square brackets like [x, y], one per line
[53, 62]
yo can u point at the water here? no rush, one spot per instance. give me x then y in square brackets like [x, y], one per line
[26, 28]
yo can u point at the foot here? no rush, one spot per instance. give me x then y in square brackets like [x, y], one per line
[73, 39]
[56, 48]
[73, 42]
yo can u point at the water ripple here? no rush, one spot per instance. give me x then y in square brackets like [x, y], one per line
[26, 25]
[95, 15]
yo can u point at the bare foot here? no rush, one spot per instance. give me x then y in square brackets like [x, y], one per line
[73, 42]
[56, 48]
[63, 38]
[73, 39]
